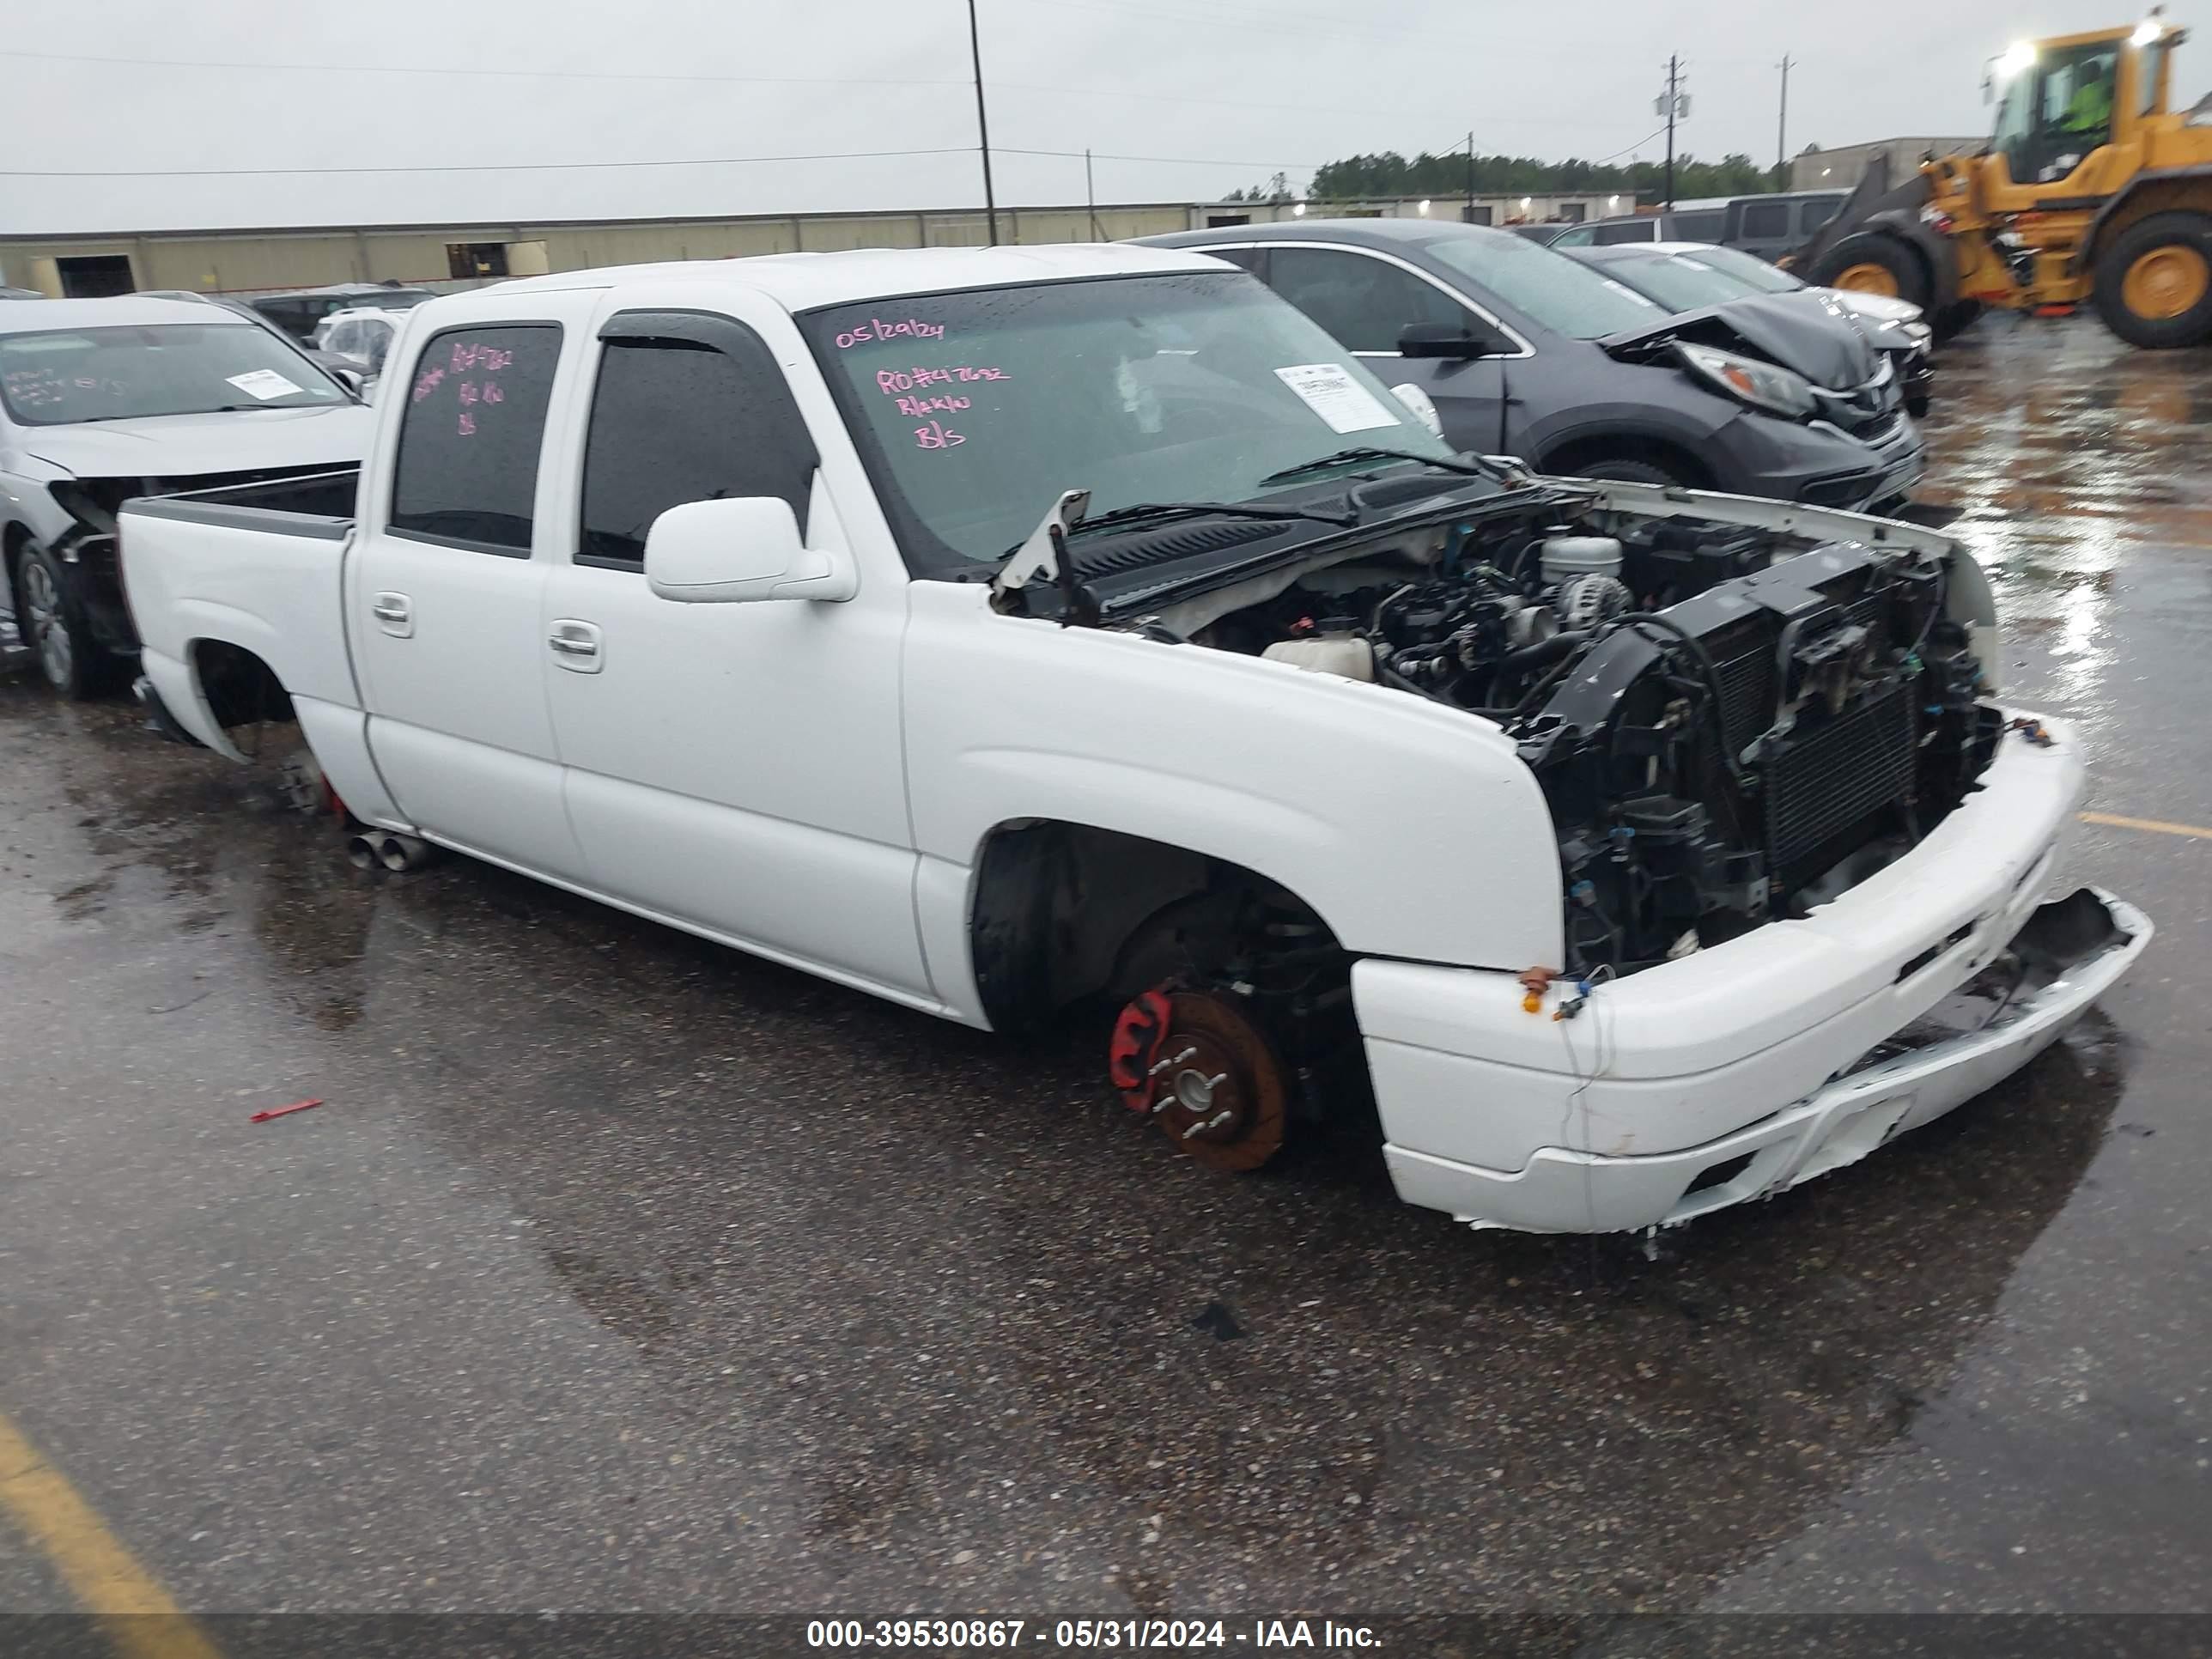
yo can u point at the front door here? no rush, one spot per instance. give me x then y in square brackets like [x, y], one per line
[446, 598]
[738, 767]
[1367, 302]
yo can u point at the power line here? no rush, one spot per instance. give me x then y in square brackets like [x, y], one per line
[494, 74]
[1169, 161]
[1057, 91]
[489, 167]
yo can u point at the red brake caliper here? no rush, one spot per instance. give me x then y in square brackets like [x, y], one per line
[1138, 1032]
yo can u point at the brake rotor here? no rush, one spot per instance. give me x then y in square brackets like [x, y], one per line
[1215, 1087]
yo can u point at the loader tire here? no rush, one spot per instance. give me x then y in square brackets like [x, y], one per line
[2153, 284]
[1874, 263]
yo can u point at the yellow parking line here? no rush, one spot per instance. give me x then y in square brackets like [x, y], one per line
[2155, 826]
[106, 1579]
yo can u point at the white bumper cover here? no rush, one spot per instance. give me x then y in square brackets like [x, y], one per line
[1737, 1070]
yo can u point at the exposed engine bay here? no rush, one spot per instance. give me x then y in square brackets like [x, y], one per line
[1731, 724]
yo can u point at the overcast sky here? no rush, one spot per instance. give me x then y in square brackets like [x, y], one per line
[1245, 86]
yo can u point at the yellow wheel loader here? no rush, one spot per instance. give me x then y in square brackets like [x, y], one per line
[2090, 188]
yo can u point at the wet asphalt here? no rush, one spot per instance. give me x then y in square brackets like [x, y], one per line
[620, 1272]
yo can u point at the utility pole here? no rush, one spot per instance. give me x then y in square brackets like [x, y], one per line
[1470, 177]
[1673, 104]
[1782, 130]
[1091, 198]
[982, 125]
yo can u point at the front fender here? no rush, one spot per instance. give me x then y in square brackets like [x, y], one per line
[1411, 829]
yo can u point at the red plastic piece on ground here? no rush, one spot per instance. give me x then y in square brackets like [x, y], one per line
[282, 1111]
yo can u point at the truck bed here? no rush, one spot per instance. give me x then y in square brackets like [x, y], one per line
[260, 567]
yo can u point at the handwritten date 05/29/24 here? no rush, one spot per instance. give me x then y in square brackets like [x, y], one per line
[1168, 1634]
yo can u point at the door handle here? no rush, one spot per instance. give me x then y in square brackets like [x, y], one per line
[575, 646]
[394, 613]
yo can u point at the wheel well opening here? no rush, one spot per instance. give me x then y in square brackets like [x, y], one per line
[240, 688]
[1576, 453]
[18, 537]
[1065, 914]
[2157, 195]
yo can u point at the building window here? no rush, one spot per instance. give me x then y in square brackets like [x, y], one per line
[1570, 212]
[467, 259]
[1478, 215]
[94, 277]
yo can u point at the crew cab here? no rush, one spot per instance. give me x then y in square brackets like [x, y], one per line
[1004, 631]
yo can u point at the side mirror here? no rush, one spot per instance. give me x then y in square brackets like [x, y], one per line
[351, 379]
[747, 547]
[1474, 339]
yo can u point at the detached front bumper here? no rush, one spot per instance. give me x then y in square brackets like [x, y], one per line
[1751, 1065]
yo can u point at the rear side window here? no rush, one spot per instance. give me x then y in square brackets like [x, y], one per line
[1765, 221]
[1626, 230]
[1366, 302]
[688, 408]
[1811, 216]
[1706, 227]
[467, 474]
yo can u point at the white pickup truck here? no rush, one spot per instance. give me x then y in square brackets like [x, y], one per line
[1006, 631]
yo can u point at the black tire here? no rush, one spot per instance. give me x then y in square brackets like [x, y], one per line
[55, 627]
[1624, 471]
[1955, 319]
[1906, 269]
[2187, 233]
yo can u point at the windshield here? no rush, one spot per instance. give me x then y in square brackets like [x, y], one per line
[1748, 270]
[63, 376]
[1686, 282]
[974, 410]
[1546, 286]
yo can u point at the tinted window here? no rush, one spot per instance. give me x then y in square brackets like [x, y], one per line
[1706, 227]
[1765, 221]
[468, 444]
[1545, 285]
[1626, 230]
[1366, 303]
[1811, 216]
[675, 420]
[1581, 236]
[1244, 259]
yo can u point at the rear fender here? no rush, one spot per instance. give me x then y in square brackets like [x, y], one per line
[2155, 191]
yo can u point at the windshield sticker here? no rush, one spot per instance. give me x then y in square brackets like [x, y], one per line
[890, 328]
[263, 383]
[1332, 394]
[914, 390]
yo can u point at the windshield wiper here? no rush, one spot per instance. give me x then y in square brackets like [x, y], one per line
[1477, 468]
[1142, 512]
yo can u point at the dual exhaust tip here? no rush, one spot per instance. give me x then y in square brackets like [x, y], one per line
[387, 849]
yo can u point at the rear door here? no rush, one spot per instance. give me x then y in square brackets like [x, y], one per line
[1367, 300]
[446, 593]
[736, 767]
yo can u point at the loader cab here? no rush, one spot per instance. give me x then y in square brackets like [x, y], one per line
[2059, 102]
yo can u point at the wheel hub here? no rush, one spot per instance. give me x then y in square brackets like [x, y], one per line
[1868, 277]
[2165, 282]
[1197, 1064]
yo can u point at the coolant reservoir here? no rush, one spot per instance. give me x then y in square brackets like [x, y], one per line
[1564, 556]
[1331, 654]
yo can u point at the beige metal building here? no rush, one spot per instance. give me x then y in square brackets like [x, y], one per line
[258, 261]
[1842, 169]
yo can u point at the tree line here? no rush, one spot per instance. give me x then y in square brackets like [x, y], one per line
[1389, 174]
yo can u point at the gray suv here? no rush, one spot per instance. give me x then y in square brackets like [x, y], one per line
[1526, 352]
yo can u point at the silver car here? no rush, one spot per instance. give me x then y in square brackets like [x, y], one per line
[101, 400]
